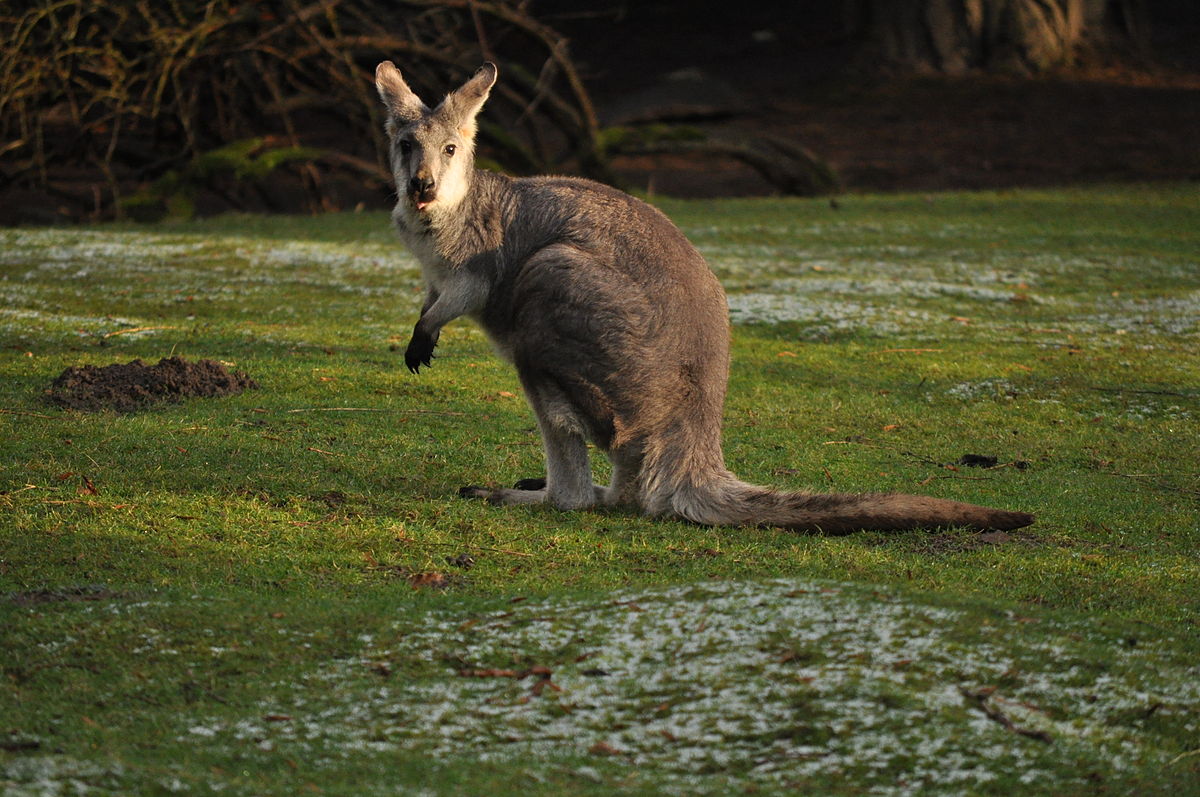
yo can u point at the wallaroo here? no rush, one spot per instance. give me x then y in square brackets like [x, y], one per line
[618, 329]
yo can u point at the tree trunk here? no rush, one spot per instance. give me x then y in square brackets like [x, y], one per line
[1015, 36]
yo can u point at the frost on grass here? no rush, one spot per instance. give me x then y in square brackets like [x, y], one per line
[42, 775]
[885, 290]
[822, 317]
[42, 272]
[778, 274]
[998, 389]
[734, 685]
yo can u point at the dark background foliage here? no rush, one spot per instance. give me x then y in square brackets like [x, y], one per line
[146, 109]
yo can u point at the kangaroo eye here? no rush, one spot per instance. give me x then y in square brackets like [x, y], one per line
[449, 149]
[405, 147]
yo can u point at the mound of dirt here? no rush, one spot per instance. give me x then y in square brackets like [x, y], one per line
[135, 385]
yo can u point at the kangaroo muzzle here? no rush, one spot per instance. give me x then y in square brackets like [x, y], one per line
[422, 190]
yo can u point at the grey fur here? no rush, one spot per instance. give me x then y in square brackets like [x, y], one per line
[617, 327]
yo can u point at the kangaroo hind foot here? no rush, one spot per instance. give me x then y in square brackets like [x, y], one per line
[526, 491]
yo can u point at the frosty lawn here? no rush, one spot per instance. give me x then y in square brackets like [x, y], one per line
[281, 591]
[719, 686]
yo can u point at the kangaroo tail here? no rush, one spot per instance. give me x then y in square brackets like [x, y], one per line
[725, 501]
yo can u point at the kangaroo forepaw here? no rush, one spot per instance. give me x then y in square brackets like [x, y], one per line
[420, 351]
[530, 484]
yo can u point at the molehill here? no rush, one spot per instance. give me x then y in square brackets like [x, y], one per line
[135, 385]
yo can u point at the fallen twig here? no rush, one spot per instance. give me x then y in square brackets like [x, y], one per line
[472, 547]
[980, 697]
[1147, 479]
[543, 677]
[375, 409]
[323, 451]
[29, 414]
[1135, 390]
[954, 476]
[339, 409]
[1182, 756]
[133, 329]
[87, 503]
[31, 487]
[921, 458]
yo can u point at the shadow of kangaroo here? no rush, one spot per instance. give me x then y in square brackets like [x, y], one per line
[618, 329]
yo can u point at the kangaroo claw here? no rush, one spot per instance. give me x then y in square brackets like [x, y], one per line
[419, 351]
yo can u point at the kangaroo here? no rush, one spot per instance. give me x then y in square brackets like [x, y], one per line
[617, 327]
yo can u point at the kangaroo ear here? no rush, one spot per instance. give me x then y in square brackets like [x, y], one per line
[462, 106]
[403, 106]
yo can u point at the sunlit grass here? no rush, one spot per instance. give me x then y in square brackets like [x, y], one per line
[275, 552]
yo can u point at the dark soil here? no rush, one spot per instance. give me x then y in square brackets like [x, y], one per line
[134, 386]
[755, 71]
[69, 594]
[937, 134]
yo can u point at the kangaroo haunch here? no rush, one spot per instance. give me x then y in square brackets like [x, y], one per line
[617, 327]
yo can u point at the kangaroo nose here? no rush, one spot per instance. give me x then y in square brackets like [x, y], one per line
[420, 185]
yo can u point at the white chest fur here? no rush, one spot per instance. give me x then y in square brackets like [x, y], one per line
[421, 241]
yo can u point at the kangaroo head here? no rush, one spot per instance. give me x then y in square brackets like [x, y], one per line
[432, 152]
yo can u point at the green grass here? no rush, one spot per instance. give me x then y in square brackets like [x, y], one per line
[257, 595]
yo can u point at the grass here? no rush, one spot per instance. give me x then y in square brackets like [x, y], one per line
[264, 593]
